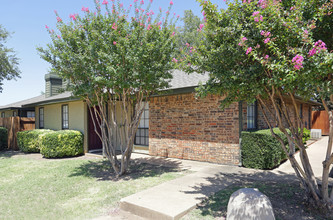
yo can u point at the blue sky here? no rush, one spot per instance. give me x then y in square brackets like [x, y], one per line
[27, 20]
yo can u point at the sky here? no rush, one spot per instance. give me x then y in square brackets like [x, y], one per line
[26, 20]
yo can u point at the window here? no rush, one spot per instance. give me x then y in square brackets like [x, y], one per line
[2, 114]
[30, 114]
[142, 134]
[301, 111]
[41, 117]
[64, 113]
[252, 116]
[14, 113]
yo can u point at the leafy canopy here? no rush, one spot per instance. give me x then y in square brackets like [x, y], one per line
[256, 46]
[113, 49]
[8, 60]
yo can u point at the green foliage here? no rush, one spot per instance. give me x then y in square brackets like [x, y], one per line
[8, 60]
[188, 33]
[107, 50]
[29, 141]
[3, 138]
[251, 49]
[306, 135]
[65, 143]
[260, 150]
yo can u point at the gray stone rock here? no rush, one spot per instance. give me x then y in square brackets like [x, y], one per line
[249, 204]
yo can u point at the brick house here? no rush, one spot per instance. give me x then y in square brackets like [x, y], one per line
[181, 126]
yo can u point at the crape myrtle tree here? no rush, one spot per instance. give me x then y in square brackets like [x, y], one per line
[265, 51]
[8, 60]
[115, 58]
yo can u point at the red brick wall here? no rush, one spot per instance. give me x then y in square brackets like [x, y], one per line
[181, 126]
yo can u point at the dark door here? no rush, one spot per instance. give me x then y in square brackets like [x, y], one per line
[93, 139]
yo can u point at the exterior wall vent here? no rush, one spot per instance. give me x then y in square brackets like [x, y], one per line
[315, 133]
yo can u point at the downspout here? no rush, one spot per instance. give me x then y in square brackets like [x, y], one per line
[240, 117]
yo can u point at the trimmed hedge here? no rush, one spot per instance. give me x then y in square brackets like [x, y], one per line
[260, 150]
[3, 138]
[29, 141]
[65, 143]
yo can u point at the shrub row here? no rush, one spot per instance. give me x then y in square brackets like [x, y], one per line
[260, 150]
[29, 141]
[61, 144]
[3, 138]
[51, 144]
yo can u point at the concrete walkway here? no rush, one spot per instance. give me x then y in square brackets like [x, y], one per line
[316, 152]
[173, 199]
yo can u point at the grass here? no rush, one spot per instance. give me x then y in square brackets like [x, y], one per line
[77, 188]
[287, 199]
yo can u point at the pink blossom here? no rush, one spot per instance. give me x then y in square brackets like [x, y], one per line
[59, 19]
[312, 52]
[255, 13]
[137, 10]
[292, 8]
[240, 44]
[187, 44]
[267, 40]
[149, 27]
[55, 12]
[58, 36]
[266, 57]
[244, 39]
[105, 2]
[167, 12]
[178, 16]
[261, 18]
[142, 2]
[171, 2]
[151, 1]
[262, 33]
[256, 19]
[248, 50]
[85, 9]
[47, 27]
[298, 62]
[73, 16]
[174, 60]
[114, 42]
[173, 33]
[114, 26]
[130, 5]
[121, 5]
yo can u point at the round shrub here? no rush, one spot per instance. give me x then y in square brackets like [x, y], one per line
[3, 138]
[29, 141]
[260, 150]
[64, 143]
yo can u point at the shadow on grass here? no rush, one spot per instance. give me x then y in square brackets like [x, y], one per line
[283, 190]
[9, 153]
[139, 168]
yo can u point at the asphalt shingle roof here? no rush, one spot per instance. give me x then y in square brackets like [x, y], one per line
[180, 80]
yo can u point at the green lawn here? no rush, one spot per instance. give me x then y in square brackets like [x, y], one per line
[32, 188]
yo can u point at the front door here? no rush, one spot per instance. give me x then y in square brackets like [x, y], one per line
[94, 141]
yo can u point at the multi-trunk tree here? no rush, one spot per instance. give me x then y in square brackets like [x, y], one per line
[266, 51]
[8, 60]
[115, 59]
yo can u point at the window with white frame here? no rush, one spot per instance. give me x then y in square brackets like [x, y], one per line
[64, 113]
[14, 113]
[251, 116]
[142, 134]
[41, 117]
[30, 114]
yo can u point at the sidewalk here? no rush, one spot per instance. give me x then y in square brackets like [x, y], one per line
[316, 152]
[173, 199]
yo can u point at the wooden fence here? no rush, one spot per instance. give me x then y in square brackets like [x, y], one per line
[320, 121]
[15, 124]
